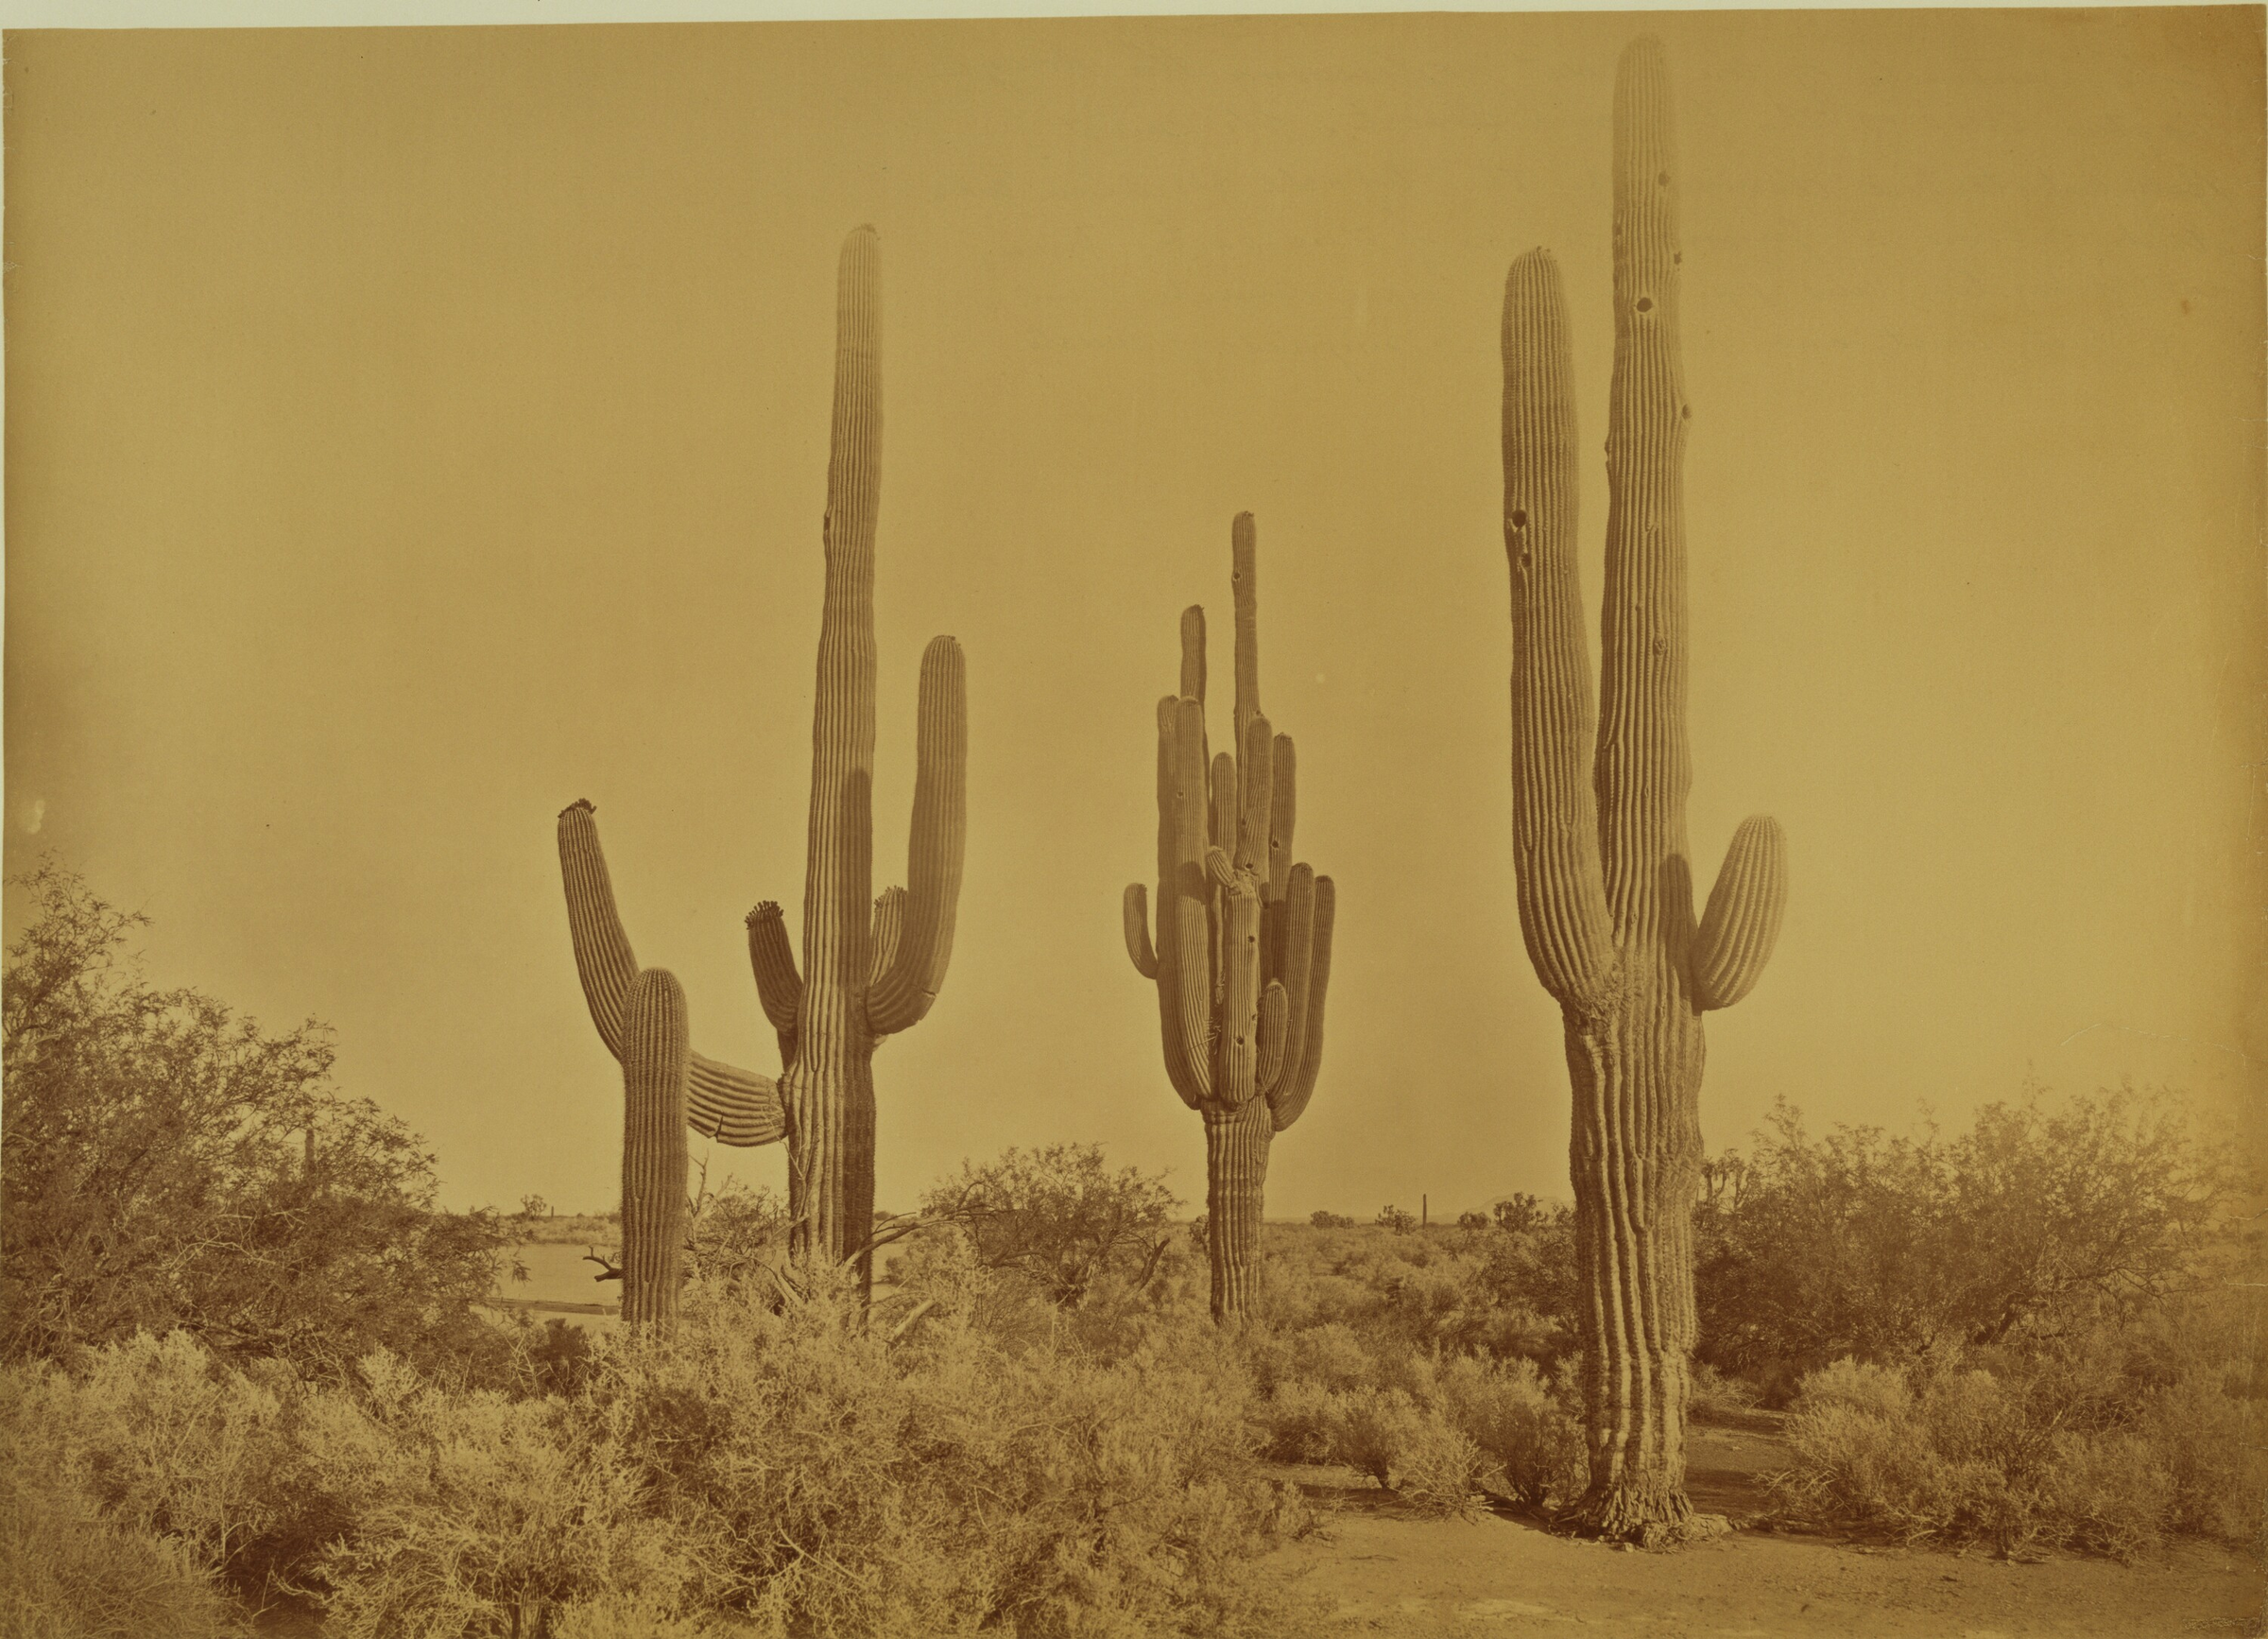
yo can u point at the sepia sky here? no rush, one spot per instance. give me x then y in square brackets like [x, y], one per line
[410, 431]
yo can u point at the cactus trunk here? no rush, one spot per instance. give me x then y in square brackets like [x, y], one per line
[1237, 1176]
[1605, 882]
[871, 967]
[656, 1060]
[1242, 959]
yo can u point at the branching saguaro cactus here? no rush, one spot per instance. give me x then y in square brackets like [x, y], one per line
[1243, 953]
[1606, 896]
[871, 967]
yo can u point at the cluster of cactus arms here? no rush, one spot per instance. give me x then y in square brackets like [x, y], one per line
[1242, 958]
[1605, 890]
[871, 967]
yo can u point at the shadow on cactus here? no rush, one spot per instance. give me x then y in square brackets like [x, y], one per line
[871, 966]
[1242, 958]
[1606, 901]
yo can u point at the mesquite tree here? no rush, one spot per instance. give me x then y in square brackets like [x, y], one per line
[1604, 888]
[1243, 954]
[871, 967]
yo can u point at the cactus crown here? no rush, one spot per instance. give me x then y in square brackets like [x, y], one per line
[1242, 958]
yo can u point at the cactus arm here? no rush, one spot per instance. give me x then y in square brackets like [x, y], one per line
[1135, 912]
[734, 1106]
[1172, 904]
[1224, 811]
[1256, 790]
[603, 960]
[838, 871]
[1295, 917]
[1193, 654]
[1243, 574]
[1238, 1041]
[888, 926]
[936, 847]
[1283, 812]
[1274, 1016]
[1561, 887]
[1643, 767]
[1741, 923]
[1289, 1102]
[746, 1104]
[779, 986]
[1190, 1027]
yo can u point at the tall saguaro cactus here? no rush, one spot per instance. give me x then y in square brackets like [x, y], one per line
[1243, 953]
[871, 967]
[1605, 889]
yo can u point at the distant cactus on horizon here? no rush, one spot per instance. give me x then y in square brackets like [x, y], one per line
[1242, 958]
[1604, 883]
[871, 966]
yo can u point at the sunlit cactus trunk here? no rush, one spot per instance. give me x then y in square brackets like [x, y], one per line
[1242, 958]
[1604, 883]
[871, 967]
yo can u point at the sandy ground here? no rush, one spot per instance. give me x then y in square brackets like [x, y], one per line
[1387, 1573]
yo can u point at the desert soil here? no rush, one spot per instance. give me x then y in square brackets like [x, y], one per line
[1386, 1572]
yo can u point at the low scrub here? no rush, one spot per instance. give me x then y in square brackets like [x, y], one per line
[779, 1468]
[2035, 1454]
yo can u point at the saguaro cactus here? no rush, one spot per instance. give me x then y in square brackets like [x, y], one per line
[1243, 953]
[1605, 890]
[871, 967]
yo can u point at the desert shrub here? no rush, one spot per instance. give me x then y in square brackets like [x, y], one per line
[1059, 1217]
[844, 1482]
[1408, 1446]
[1717, 1396]
[2207, 1444]
[170, 1442]
[1370, 1429]
[1398, 1220]
[1533, 1443]
[805, 1467]
[735, 1234]
[166, 1164]
[1298, 1419]
[70, 1569]
[1884, 1249]
[1329, 1221]
[2029, 1456]
[464, 1504]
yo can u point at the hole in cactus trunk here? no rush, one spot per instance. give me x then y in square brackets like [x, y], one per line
[1520, 517]
[1645, 303]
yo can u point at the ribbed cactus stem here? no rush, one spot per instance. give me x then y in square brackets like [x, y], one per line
[1242, 954]
[656, 1061]
[1599, 845]
[853, 995]
[1236, 1177]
